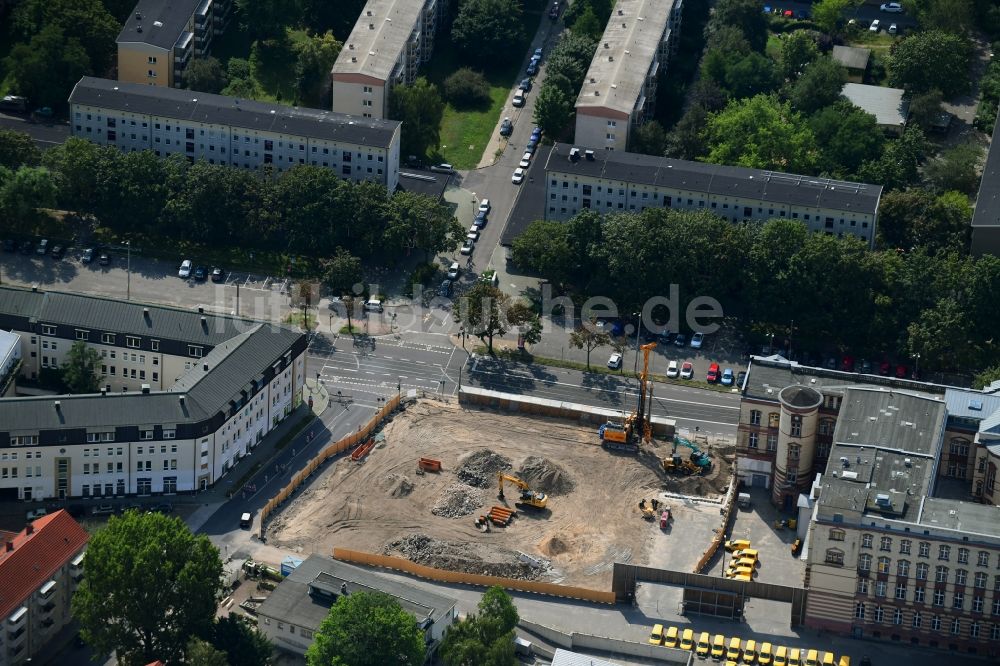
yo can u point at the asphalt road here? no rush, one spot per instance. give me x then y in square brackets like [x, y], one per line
[864, 14]
[45, 134]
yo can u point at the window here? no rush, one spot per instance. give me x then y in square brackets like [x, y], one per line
[154, 345]
[944, 553]
[754, 417]
[956, 626]
[834, 556]
[194, 351]
[915, 622]
[48, 330]
[866, 540]
[936, 623]
[169, 434]
[977, 604]
[145, 434]
[925, 549]
[996, 606]
[961, 575]
[980, 580]
[963, 555]
[772, 442]
[132, 341]
[958, 600]
[938, 598]
[108, 338]
[904, 547]
[974, 629]
[752, 440]
[918, 595]
[865, 562]
[897, 616]
[796, 426]
[862, 586]
[940, 574]
[82, 335]
[983, 559]
[879, 614]
[883, 565]
[995, 632]
[903, 568]
[901, 591]
[885, 543]
[880, 588]
[859, 610]
[837, 535]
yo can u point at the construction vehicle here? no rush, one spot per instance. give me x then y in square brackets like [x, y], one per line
[637, 427]
[697, 456]
[528, 497]
[649, 509]
[677, 465]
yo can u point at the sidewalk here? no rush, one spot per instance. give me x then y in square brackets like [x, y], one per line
[264, 452]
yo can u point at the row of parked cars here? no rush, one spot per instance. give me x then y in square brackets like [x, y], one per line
[200, 273]
[739, 652]
[56, 251]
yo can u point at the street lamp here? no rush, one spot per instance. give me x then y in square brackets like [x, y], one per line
[916, 366]
[128, 271]
[638, 330]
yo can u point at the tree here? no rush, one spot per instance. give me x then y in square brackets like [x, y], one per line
[925, 109]
[77, 163]
[847, 136]
[18, 149]
[955, 168]
[649, 138]
[687, 140]
[85, 22]
[955, 16]
[467, 87]
[420, 108]
[243, 644]
[485, 638]
[986, 377]
[527, 322]
[745, 15]
[314, 58]
[897, 166]
[486, 30]
[80, 369]
[820, 85]
[264, 18]
[798, 49]
[829, 14]
[201, 653]
[367, 629]
[589, 337]
[205, 74]
[761, 133]
[419, 222]
[544, 249]
[914, 218]
[588, 24]
[46, 68]
[342, 272]
[26, 191]
[931, 60]
[553, 110]
[149, 585]
[483, 312]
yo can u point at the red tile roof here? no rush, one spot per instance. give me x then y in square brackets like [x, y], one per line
[56, 538]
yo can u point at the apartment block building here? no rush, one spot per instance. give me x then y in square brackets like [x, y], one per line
[236, 132]
[184, 396]
[616, 181]
[619, 90]
[160, 38]
[40, 568]
[386, 47]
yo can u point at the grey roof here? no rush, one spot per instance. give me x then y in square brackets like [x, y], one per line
[891, 419]
[719, 180]
[569, 658]
[966, 517]
[95, 313]
[378, 37]
[886, 104]
[617, 73]
[233, 364]
[987, 213]
[852, 57]
[424, 181]
[971, 404]
[157, 22]
[200, 107]
[291, 602]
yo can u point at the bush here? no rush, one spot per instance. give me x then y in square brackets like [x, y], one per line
[425, 275]
[790, 25]
[467, 87]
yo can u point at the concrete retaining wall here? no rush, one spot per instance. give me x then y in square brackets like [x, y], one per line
[576, 640]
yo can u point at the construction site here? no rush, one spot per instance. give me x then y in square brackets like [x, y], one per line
[535, 498]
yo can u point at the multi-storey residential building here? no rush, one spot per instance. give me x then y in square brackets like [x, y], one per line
[619, 91]
[184, 396]
[10, 361]
[236, 132]
[386, 47]
[616, 181]
[161, 37]
[40, 568]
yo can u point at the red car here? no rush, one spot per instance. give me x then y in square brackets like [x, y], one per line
[788, 13]
[883, 368]
[901, 371]
[713, 373]
[847, 364]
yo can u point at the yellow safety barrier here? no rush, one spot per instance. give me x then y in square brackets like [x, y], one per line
[445, 576]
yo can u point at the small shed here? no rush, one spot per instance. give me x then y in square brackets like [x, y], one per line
[290, 564]
[854, 59]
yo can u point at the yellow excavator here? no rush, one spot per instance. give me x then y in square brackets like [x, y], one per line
[528, 497]
[637, 426]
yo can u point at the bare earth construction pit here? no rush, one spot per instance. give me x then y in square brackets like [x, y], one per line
[383, 505]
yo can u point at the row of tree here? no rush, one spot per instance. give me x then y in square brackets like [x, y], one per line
[567, 66]
[305, 210]
[916, 294]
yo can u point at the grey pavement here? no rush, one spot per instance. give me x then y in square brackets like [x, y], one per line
[45, 134]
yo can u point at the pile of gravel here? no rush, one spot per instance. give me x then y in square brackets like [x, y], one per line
[458, 500]
[480, 468]
[545, 476]
[469, 557]
[397, 485]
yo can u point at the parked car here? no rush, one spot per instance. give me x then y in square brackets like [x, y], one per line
[525, 84]
[201, 274]
[615, 361]
[518, 100]
[467, 247]
[874, 27]
[185, 270]
[43, 247]
[727, 377]
[680, 340]
[892, 29]
[525, 161]
[480, 220]
[531, 145]
[532, 68]
[506, 127]
[103, 510]
[554, 11]
[163, 507]
[87, 256]
[666, 337]
[847, 364]
[518, 176]
[9, 245]
[473, 233]
[26, 247]
[713, 373]
[536, 133]
[891, 8]
[901, 371]
[696, 340]
[866, 366]
[104, 259]
[57, 252]
[445, 288]
[218, 274]
[454, 271]
[741, 378]
[37, 513]
[788, 13]
[687, 370]
[443, 168]
[673, 370]
[246, 519]
[484, 206]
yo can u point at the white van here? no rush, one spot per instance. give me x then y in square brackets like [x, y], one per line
[246, 520]
[443, 168]
[373, 305]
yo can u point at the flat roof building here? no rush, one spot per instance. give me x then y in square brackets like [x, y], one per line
[160, 38]
[232, 131]
[887, 104]
[290, 616]
[389, 42]
[986, 217]
[616, 181]
[619, 90]
[854, 59]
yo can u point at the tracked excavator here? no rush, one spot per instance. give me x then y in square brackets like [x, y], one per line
[637, 427]
[528, 498]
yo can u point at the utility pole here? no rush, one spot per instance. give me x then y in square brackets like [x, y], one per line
[237, 298]
[128, 271]
[635, 368]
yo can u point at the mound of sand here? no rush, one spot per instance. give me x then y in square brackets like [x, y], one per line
[480, 468]
[397, 485]
[554, 545]
[458, 500]
[545, 476]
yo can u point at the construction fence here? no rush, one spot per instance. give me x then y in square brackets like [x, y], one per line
[444, 576]
[330, 451]
[727, 511]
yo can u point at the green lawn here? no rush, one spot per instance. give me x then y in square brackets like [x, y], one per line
[465, 132]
